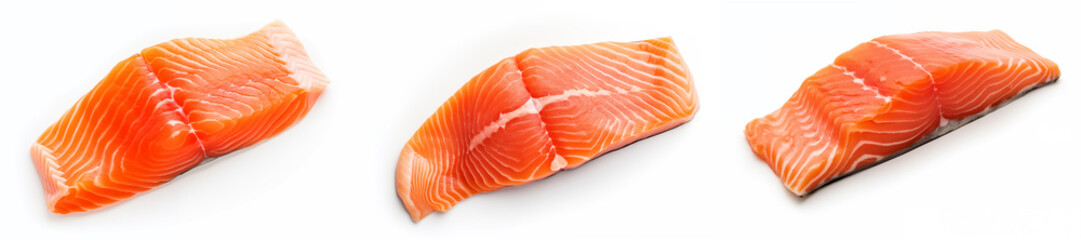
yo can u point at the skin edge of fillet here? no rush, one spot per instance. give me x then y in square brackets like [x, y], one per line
[950, 126]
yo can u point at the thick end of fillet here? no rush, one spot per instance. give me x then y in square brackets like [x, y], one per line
[238, 92]
[600, 97]
[412, 170]
[975, 71]
[487, 136]
[838, 121]
[124, 137]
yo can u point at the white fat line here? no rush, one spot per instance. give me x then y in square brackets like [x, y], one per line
[862, 84]
[558, 163]
[863, 158]
[530, 107]
[906, 57]
[179, 108]
[934, 86]
[567, 94]
[534, 106]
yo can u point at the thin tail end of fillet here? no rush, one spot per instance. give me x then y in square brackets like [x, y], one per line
[409, 160]
[44, 163]
[52, 182]
[295, 58]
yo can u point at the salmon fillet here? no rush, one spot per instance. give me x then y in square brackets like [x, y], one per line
[889, 95]
[540, 112]
[170, 107]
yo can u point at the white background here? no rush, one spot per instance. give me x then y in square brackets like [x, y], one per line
[1011, 174]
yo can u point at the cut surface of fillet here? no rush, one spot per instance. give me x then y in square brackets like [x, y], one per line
[168, 108]
[539, 112]
[889, 95]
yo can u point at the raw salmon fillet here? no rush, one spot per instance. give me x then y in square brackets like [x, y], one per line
[539, 112]
[170, 107]
[889, 95]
